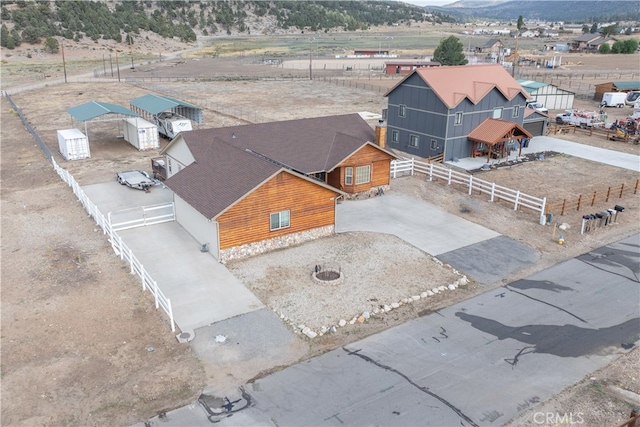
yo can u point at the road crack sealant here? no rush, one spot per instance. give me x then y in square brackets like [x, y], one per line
[426, 390]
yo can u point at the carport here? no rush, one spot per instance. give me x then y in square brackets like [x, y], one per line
[151, 105]
[493, 138]
[90, 111]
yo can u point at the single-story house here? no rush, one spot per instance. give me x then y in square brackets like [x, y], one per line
[247, 189]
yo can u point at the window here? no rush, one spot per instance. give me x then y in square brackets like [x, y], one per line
[279, 220]
[434, 144]
[516, 111]
[348, 176]
[458, 118]
[395, 136]
[413, 141]
[363, 174]
[497, 113]
[402, 111]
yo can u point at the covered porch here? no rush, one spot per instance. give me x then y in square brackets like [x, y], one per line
[495, 139]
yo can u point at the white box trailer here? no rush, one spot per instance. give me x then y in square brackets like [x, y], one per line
[170, 124]
[614, 99]
[73, 144]
[141, 134]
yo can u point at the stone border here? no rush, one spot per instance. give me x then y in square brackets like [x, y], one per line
[378, 311]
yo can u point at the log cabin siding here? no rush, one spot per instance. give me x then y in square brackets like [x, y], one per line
[311, 206]
[379, 161]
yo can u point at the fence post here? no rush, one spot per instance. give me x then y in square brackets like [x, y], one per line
[635, 190]
[579, 201]
[430, 171]
[621, 190]
[564, 204]
[144, 286]
[155, 292]
[394, 164]
[470, 184]
[413, 165]
[543, 218]
[493, 191]
[173, 325]
[515, 206]
[593, 199]
[608, 193]
[449, 179]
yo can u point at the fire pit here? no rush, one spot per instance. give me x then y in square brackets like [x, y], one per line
[327, 275]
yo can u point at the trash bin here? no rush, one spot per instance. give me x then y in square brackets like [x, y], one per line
[549, 218]
[525, 143]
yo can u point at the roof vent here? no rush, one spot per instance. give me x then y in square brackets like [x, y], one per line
[233, 135]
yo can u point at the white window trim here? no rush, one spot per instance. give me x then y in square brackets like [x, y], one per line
[455, 121]
[359, 176]
[434, 144]
[402, 110]
[416, 138]
[280, 222]
[495, 110]
[516, 111]
[348, 175]
[395, 136]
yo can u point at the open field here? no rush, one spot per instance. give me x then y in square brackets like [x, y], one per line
[76, 328]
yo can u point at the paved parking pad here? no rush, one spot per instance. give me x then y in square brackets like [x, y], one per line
[415, 221]
[491, 260]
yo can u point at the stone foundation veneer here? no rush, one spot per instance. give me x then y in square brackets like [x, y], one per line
[372, 192]
[263, 246]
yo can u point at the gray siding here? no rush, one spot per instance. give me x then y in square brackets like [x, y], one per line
[428, 118]
[200, 228]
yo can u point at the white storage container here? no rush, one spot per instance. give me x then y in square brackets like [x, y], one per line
[141, 134]
[73, 144]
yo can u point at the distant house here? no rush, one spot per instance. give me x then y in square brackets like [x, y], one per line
[590, 42]
[433, 110]
[407, 66]
[371, 52]
[530, 34]
[248, 189]
[493, 47]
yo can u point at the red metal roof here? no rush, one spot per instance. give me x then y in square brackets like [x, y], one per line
[492, 131]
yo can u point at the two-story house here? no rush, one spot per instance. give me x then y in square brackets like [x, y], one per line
[433, 110]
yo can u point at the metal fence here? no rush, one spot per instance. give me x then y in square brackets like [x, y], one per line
[495, 191]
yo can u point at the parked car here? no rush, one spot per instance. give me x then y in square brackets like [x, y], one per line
[539, 106]
[135, 179]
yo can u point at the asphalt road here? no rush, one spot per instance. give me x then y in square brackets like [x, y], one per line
[479, 362]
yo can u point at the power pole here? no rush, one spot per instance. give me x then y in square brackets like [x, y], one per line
[515, 58]
[310, 58]
[64, 63]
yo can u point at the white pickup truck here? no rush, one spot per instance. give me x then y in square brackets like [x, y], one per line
[580, 118]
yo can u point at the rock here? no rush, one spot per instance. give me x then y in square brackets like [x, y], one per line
[220, 338]
[405, 300]
[395, 305]
[451, 288]
[342, 322]
[447, 266]
[415, 297]
[424, 295]
[352, 321]
[375, 310]
[442, 288]
[308, 332]
[435, 290]
[464, 280]
[323, 330]
[386, 308]
[360, 319]
[302, 326]
[366, 315]
[333, 329]
[150, 349]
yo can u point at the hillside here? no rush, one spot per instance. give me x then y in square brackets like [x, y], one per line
[549, 10]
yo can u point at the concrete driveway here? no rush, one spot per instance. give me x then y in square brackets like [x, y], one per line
[202, 291]
[452, 239]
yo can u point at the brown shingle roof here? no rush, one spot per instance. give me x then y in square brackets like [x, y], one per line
[474, 82]
[492, 131]
[305, 145]
[220, 176]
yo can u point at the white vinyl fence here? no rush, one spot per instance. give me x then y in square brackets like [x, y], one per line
[493, 190]
[141, 216]
[119, 247]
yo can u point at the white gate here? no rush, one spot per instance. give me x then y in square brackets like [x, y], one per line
[141, 216]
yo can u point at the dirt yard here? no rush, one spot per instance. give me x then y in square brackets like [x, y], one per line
[83, 345]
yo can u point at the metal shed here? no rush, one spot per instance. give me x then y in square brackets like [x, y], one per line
[151, 105]
[550, 95]
[91, 110]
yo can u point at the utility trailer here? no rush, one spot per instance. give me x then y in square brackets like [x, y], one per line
[170, 124]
